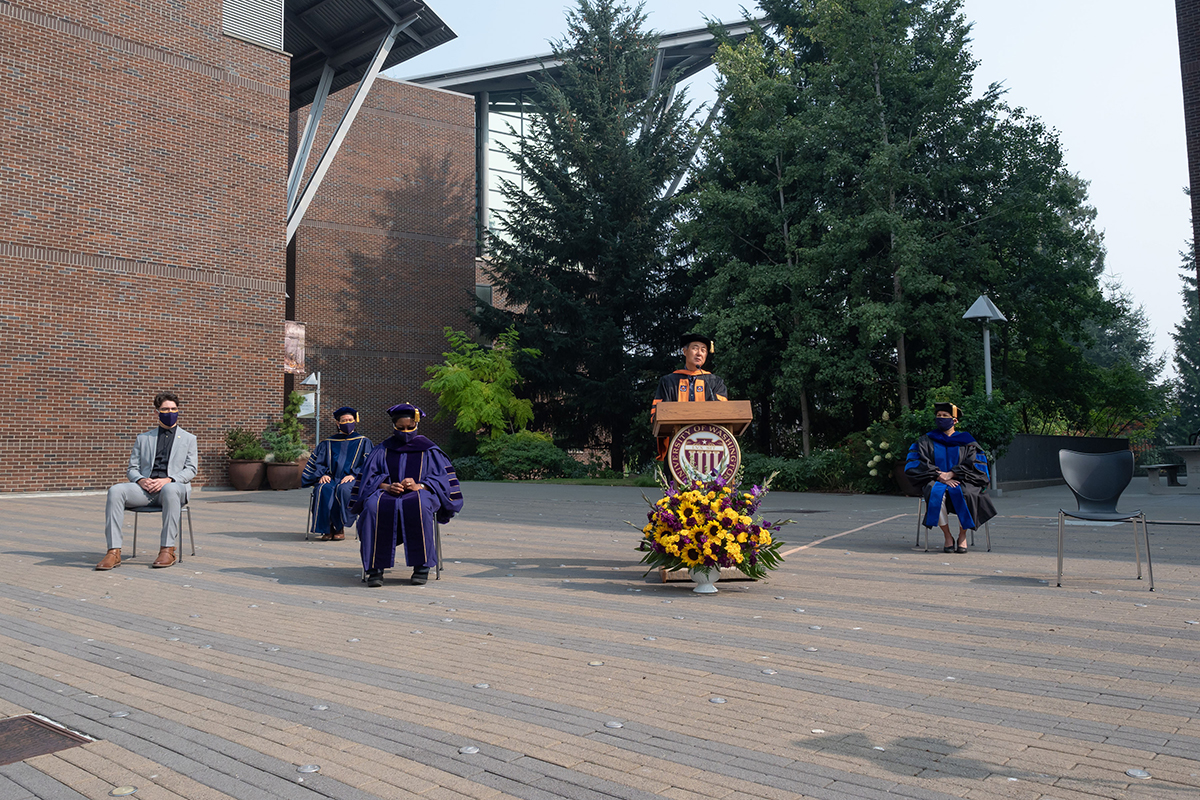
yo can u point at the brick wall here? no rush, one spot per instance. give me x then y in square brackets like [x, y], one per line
[1187, 16]
[143, 161]
[385, 257]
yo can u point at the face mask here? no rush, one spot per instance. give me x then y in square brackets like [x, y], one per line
[346, 427]
[945, 423]
[168, 418]
[403, 436]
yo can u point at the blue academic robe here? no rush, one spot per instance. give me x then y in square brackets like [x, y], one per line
[386, 520]
[338, 456]
[961, 455]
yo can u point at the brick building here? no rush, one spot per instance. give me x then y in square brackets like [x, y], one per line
[143, 161]
[385, 256]
[144, 169]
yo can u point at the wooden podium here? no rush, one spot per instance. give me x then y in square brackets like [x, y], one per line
[669, 417]
[732, 415]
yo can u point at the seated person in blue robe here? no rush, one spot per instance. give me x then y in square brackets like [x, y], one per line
[951, 470]
[331, 471]
[407, 484]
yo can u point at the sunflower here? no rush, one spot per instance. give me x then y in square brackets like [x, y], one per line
[691, 556]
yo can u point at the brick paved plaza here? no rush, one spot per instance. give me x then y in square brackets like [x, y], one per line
[862, 669]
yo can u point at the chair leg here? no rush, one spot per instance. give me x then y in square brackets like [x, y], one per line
[191, 535]
[972, 538]
[1149, 563]
[1137, 548]
[920, 502]
[308, 522]
[987, 535]
[1060, 547]
[135, 516]
[437, 549]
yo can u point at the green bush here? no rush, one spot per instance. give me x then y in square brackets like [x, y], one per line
[283, 437]
[242, 445]
[474, 468]
[528, 455]
[823, 469]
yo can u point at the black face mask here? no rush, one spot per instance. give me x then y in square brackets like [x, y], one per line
[346, 427]
[404, 437]
[168, 418]
[945, 423]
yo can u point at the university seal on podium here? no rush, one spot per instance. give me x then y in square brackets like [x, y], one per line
[707, 449]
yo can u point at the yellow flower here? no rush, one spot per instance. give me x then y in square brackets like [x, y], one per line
[743, 536]
[691, 556]
[744, 519]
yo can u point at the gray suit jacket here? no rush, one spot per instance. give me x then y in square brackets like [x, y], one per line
[182, 466]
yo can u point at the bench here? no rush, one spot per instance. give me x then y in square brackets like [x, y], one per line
[1170, 470]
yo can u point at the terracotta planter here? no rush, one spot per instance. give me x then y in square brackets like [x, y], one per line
[284, 476]
[903, 482]
[246, 475]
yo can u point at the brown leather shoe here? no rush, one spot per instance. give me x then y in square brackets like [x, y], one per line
[166, 557]
[111, 559]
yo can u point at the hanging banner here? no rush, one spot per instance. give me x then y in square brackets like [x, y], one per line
[293, 347]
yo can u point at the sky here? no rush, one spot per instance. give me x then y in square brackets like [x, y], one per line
[1107, 80]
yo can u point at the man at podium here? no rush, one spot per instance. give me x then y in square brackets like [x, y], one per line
[692, 384]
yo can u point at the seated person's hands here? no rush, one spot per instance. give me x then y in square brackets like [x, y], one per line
[948, 479]
[394, 488]
[325, 479]
[153, 485]
[347, 479]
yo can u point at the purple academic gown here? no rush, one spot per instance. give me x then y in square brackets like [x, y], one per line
[387, 520]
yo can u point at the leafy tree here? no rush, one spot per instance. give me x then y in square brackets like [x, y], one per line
[584, 253]
[856, 199]
[477, 384]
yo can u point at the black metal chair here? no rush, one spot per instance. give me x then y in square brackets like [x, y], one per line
[437, 552]
[921, 511]
[158, 510]
[1097, 480]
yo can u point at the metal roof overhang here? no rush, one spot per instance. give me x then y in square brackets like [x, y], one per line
[687, 51]
[346, 34]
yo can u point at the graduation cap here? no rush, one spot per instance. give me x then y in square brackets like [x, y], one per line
[404, 410]
[949, 408]
[688, 338]
[343, 411]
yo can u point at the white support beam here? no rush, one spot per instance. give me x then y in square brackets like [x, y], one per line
[339, 135]
[300, 163]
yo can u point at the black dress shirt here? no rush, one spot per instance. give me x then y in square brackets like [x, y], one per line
[162, 452]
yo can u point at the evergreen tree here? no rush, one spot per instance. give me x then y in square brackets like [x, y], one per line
[585, 251]
[856, 200]
[1187, 358]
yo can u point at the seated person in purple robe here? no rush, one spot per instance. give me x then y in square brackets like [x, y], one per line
[407, 484]
[951, 470]
[331, 471]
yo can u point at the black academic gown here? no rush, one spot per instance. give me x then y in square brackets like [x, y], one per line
[682, 386]
[961, 455]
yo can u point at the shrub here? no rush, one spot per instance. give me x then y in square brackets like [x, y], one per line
[823, 469]
[474, 468]
[525, 454]
[242, 445]
[283, 437]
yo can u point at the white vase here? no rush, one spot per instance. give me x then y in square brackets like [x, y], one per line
[705, 577]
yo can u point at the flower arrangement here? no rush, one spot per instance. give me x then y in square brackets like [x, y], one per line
[707, 523]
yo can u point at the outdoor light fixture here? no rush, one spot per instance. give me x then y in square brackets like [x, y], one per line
[314, 380]
[985, 310]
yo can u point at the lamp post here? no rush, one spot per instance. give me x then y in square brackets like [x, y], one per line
[314, 380]
[985, 310]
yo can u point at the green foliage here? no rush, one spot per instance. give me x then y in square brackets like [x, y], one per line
[526, 455]
[475, 468]
[1186, 389]
[855, 200]
[821, 470]
[282, 438]
[242, 445]
[993, 422]
[476, 384]
[584, 248]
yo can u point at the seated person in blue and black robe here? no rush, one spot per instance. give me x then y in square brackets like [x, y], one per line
[951, 470]
[331, 471]
[408, 483]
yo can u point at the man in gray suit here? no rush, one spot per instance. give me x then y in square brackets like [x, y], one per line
[161, 468]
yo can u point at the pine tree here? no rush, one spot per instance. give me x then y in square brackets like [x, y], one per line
[585, 250]
[1187, 357]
